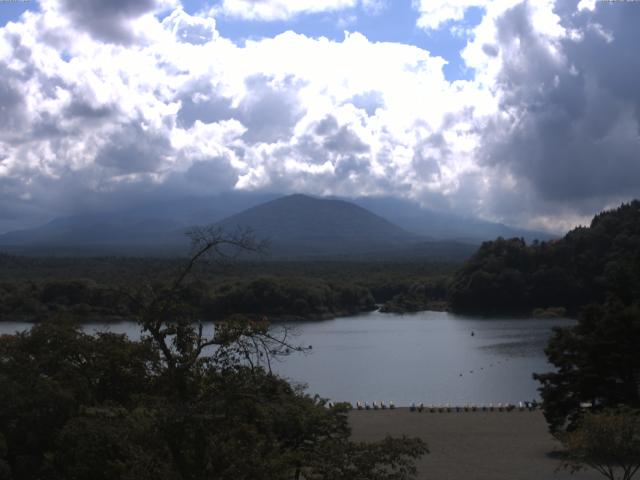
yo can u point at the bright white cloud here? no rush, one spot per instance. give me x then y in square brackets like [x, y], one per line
[290, 112]
[269, 10]
[435, 13]
[152, 104]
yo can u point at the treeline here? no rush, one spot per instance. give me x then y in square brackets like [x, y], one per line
[277, 298]
[595, 264]
[34, 301]
[430, 294]
[298, 297]
[284, 291]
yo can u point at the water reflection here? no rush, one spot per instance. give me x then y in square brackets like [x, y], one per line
[427, 356]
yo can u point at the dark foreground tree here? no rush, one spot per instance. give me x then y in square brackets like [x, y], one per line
[597, 363]
[608, 442]
[185, 402]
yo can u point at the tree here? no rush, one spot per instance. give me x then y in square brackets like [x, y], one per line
[597, 362]
[53, 374]
[608, 442]
[598, 264]
[226, 413]
[184, 403]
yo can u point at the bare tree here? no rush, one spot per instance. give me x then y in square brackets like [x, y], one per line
[176, 327]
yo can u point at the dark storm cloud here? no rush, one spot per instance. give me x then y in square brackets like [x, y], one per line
[427, 156]
[490, 50]
[327, 126]
[85, 110]
[574, 130]
[351, 164]
[345, 141]
[11, 103]
[210, 109]
[21, 205]
[207, 176]
[107, 20]
[13, 113]
[134, 150]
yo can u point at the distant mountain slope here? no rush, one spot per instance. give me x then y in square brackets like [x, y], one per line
[442, 226]
[157, 225]
[299, 225]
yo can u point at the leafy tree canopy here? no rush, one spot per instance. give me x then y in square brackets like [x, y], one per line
[589, 265]
[184, 403]
[608, 442]
[597, 363]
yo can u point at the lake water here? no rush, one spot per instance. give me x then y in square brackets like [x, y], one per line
[426, 357]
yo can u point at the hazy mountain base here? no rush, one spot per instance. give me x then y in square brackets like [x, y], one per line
[156, 227]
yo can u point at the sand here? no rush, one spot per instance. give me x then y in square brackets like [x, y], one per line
[472, 445]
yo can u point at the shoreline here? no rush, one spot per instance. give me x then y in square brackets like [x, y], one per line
[471, 445]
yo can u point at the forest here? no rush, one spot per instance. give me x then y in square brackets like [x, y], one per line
[74, 405]
[595, 264]
[90, 289]
[590, 264]
[176, 405]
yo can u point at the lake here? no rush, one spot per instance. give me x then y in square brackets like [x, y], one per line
[429, 357]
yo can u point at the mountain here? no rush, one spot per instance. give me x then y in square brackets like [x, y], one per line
[298, 226]
[156, 226]
[302, 226]
[443, 226]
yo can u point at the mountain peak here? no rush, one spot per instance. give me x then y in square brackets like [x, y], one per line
[299, 223]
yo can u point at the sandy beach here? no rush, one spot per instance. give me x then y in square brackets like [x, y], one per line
[472, 445]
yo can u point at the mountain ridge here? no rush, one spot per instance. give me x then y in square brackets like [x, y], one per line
[300, 226]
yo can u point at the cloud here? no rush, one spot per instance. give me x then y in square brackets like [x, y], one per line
[269, 10]
[106, 21]
[192, 29]
[144, 105]
[569, 128]
[436, 13]
[134, 149]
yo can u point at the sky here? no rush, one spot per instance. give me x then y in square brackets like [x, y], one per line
[524, 112]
